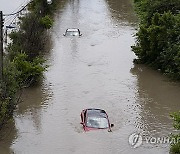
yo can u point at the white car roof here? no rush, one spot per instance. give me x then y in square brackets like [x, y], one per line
[72, 29]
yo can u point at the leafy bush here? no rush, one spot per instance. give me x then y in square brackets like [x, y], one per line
[24, 64]
[46, 22]
[28, 70]
[175, 147]
[158, 38]
[8, 89]
[176, 118]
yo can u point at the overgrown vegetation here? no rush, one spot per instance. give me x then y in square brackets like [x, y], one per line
[158, 37]
[158, 42]
[24, 63]
[175, 148]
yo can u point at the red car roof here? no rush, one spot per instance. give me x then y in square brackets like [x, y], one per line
[96, 113]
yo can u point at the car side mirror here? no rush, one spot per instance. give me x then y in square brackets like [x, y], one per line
[112, 125]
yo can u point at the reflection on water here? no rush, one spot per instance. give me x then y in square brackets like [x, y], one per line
[122, 11]
[27, 117]
[34, 100]
[7, 135]
[158, 97]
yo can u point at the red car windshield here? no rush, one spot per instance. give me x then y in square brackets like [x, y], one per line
[97, 122]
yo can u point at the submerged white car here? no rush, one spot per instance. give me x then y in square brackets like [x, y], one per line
[72, 32]
[49, 1]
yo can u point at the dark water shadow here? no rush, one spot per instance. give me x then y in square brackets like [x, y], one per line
[7, 135]
[158, 97]
[122, 11]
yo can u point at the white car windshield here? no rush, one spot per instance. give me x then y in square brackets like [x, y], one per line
[97, 122]
[72, 33]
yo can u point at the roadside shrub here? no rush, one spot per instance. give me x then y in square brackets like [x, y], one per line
[158, 37]
[175, 147]
[29, 71]
[8, 89]
[24, 63]
[46, 22]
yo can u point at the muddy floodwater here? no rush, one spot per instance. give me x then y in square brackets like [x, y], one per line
[95, 70]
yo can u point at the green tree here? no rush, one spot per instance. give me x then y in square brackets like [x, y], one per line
[175, 147]
[158, 41]
[24, 63]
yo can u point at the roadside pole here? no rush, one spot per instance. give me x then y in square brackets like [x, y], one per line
[1, 46]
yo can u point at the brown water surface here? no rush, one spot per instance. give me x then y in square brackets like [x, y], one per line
[93, 71]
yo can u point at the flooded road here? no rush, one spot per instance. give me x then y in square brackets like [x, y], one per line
[93, 71]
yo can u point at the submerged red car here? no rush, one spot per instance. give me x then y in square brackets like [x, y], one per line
[93, 119]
